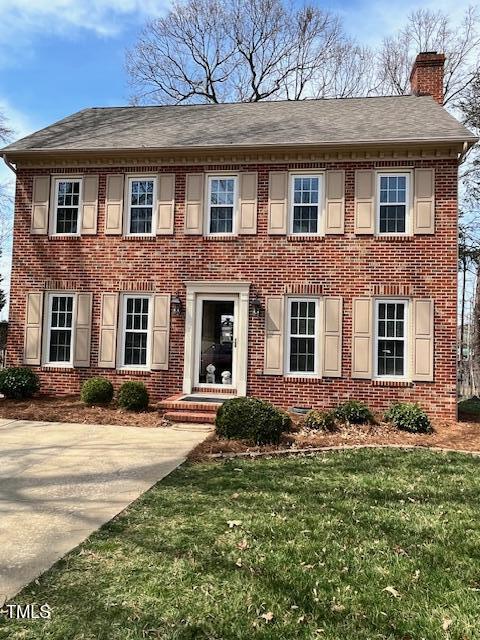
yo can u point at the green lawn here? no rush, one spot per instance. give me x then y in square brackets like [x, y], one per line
[344, 546]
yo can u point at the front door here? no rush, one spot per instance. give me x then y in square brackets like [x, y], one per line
[216, 341]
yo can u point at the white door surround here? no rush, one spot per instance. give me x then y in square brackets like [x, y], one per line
[237, 290]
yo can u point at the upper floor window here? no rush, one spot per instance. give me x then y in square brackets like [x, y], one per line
[67, 206]
[302, 337]
[141, 198]
[393, 209]
[391, 338]
[136, 331]
[60, 329]
[222, 197]
[305, 205]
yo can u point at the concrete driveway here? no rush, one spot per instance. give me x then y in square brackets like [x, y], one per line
[59, 482]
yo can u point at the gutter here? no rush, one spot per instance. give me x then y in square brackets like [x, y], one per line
[9, 164]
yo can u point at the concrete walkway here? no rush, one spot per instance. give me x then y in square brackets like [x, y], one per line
[59, 482]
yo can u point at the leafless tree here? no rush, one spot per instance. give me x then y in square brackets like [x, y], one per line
[428, 30]
[244, 50]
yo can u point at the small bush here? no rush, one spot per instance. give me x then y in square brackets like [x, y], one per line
[353, 412]
[251, 419]
[97, 391]
[320, 421]
[18, 383]
[133, 396]
[409, 417]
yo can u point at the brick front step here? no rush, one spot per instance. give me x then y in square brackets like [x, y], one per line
[191, 416]
[175, 403]
[207, 407]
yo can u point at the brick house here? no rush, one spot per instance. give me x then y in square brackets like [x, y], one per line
[302, 252]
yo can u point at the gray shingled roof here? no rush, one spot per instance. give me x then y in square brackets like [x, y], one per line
[310, 122]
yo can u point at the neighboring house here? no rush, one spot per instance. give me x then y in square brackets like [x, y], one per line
[301, 252]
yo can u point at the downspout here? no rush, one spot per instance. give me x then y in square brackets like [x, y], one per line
[9, 164]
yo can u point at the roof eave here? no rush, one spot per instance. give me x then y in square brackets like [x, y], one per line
[11, 152]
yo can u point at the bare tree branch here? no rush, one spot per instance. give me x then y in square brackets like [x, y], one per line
[245, 50]
[428, 30]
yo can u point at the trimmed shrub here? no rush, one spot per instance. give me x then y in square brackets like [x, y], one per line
[251, 419]
[408, 416]
[353, 412]
[97, 391]
[320, 421]
[133, 396]
[18, 383]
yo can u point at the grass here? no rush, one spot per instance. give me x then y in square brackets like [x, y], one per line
[358, 545]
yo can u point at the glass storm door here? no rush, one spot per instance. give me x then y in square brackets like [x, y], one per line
[216, 341]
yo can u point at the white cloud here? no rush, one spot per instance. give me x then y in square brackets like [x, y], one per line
[22, 20]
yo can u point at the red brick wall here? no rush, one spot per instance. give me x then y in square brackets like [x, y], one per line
[345, 265]
[427, 75]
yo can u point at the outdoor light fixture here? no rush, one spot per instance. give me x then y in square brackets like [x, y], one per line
[176, 305]
[256, 305]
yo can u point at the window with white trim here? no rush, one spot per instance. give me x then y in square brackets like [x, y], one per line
[391, 338]
[136, 331]
[222, 198]
[393, 198]
[59, 348]
[305, 205]
[141, 199]
[302, 336]
[67, 206]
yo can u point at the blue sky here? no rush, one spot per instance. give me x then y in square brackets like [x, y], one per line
[59, 56]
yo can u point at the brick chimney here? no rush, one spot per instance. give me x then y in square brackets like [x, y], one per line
[426, 78]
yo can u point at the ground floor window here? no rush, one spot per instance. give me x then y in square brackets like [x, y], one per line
[136, 330]
[60, 328]
[391, 338]
[302, 341]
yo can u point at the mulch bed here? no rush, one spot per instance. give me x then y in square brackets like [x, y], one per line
[462, 435]
[448, 435]
[72, 409]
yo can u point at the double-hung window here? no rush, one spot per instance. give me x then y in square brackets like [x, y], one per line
[391, 338]
[222, 199]
[393, 203]
[141, 199]
[302, 336]
[66, 220]
[59, 348]
[305, 204]
[136, 331]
